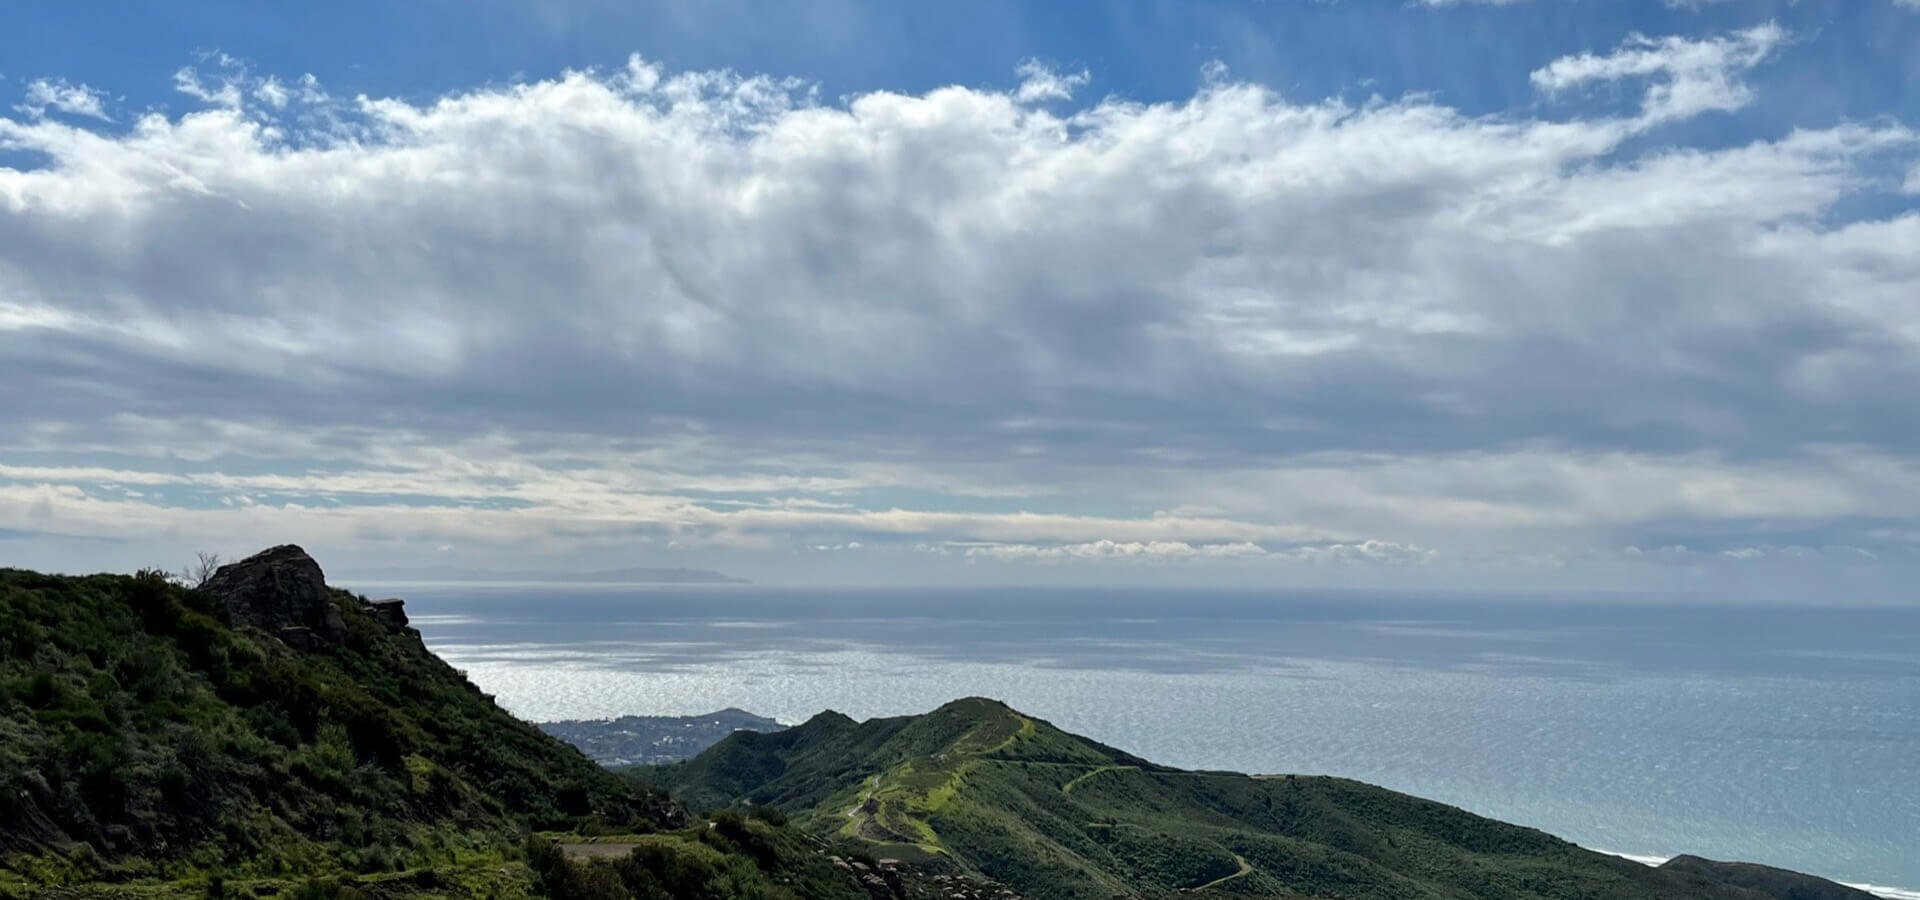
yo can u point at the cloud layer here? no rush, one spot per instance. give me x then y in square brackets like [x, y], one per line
[649, 309]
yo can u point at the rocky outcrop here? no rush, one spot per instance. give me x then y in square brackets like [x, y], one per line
[25, 826]
[890, 879]
[391, 612]
[280, 591]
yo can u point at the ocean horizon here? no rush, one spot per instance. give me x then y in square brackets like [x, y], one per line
[1782, 735]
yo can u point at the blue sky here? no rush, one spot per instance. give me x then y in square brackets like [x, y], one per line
[1849, 59]
[1533, 295]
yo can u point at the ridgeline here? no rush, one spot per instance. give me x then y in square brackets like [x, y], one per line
[1059, 817]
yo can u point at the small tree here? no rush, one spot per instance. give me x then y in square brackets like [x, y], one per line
[204, 565]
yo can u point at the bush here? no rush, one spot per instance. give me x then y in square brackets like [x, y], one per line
[562, 879]
[768, 814]
[317, 889]
[731, 832]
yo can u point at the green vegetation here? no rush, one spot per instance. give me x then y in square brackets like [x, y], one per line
[152, 746]
[731, 855]
[143, 737]
[1765, 879]
[1010, 797]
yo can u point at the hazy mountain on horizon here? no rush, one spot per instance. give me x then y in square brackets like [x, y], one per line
[651, 740]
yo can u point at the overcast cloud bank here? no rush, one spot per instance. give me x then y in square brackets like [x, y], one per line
[660, 317]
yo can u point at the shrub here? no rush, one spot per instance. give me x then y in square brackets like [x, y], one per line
[768, 814]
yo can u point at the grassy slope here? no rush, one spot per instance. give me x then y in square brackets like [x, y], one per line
[141, 735]
[1057, 816]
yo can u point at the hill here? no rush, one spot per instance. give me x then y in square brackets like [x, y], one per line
[651, 740]
[265, 734]
[1054, 815]
[1773, 882]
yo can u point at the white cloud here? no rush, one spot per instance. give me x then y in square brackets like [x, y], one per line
[589, 504]
[63, 96]
[1107, 550]
[20, 316]
[228, 82]
[716, 310]
[1104, 550]
[1700, 75]
[224, 89]
[1681, 554]
[1442, 496]
[1040, 82]
[271, 92]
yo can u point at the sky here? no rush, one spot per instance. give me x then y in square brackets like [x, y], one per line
[1507, 295]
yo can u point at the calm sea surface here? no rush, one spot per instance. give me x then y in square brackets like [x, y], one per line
[1785, 736]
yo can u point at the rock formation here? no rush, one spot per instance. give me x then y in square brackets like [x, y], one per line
[392, 612]
[280, 591]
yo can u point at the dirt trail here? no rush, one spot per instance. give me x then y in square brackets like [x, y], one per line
[1069, 786]
[1246, 868]
[873, 784]
[602, 850]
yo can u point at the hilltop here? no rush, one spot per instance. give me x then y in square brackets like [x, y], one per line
[1054, 815]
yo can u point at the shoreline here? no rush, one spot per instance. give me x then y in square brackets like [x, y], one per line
[1878, 890]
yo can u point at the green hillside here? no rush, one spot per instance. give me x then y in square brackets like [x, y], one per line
[1058, 816]
[267, 735]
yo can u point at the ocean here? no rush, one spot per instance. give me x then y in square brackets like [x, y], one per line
[1783, 735]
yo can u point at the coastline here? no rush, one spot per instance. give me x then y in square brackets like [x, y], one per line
[1878, 890]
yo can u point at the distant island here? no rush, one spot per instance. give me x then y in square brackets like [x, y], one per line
[602, 576]
[651, 740]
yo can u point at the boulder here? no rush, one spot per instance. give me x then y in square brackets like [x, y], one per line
[25, 826]
[392, 612]
[302, 638]
[280, 591]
